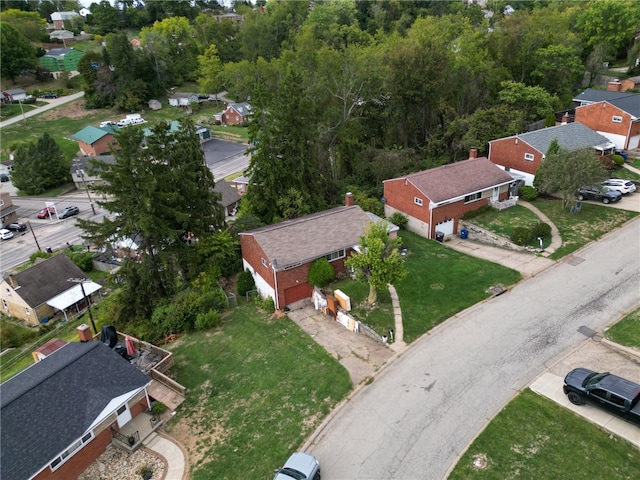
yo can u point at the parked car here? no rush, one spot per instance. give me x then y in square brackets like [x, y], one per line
[299, 466]
[621, 185]
[599, 193]
[16, 227]
[69, 212]
[108, 123]
[46, 212]
[614, 393]
[4, 177]
[5, 234]
[49, 95]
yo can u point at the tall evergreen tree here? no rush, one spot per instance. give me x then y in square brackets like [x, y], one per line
[39, 166]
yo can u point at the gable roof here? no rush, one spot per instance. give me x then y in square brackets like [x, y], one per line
[51, 404]
[306, 238]
[592, 95]
[571, 136]
[182, 95]
[229, 194]
[85, 163]
[458, 179]
[91, 134]
[63, 15]
[45, 279]
[242, 108]
[58, 52]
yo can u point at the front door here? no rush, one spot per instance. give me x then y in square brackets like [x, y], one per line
[124, 415]
[496, 193]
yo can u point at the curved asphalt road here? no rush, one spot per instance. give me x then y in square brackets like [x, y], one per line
[426, 407]
[53, 103]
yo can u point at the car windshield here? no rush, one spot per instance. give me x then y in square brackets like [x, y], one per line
[594, 379]
[293, 473]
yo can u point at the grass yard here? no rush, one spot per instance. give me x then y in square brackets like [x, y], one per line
[442, 282]
[626, 331]
[534, 438]
[256, 388]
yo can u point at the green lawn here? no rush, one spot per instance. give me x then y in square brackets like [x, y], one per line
[626, 331]
[257, 387]
[534, 438]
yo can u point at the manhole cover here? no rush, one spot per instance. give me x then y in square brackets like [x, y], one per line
[586, 331]
[574, 261]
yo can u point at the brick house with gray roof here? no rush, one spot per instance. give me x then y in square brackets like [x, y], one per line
[434, 200]
[279, 256]
[95, 141]
[236, 114]
[59, 414]
[522, 154]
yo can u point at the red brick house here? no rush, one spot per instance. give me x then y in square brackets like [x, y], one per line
[279, 256]
[236, 114]
[618, 120]
[521, 155]
[95, 141]
[435, 199]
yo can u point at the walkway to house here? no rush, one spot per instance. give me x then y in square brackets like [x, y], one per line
[170, 450]
[398, 342]
[556, 240]
[632, 169]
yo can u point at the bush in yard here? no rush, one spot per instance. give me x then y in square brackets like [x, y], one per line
[245, 283]
[618, 159]
[541, 229]
[321, 273]
[528, 193]
[521, 236]
[83, 260]
[267, 304]
[400, 220]
[207, 320]
[214, 299]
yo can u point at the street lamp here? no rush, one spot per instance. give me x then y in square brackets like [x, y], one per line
[86, 299]
[84, 183]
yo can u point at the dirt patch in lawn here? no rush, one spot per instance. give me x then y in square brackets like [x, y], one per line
[72, 110]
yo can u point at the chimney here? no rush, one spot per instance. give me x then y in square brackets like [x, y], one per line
[614, 86]
[84, 332]
[348, 199]
[12, 281]
[473, 153]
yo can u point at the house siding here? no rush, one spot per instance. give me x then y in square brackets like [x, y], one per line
[232, 116]
[599, 117]
[509, 153]
[99, 147]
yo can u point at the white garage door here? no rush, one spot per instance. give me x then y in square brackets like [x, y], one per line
[445, 227]
[634, 142]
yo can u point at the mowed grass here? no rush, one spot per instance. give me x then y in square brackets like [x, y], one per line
[257, 387]
[626, 331]
[442, 282]
[535, 438]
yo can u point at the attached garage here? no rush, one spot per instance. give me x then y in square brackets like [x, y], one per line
[297, 293]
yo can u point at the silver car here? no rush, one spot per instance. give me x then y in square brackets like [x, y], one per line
[621, 185]
[299, 466]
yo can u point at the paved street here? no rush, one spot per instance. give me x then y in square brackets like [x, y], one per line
[53, 103]
[425, 408]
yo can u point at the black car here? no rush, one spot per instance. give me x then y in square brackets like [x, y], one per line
[68, 212]
[599, 193]
[16, 227]
[49, 95]
[4, 177]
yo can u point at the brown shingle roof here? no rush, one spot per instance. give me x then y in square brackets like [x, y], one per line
[46, 279]
[458, 179]
[306, 238]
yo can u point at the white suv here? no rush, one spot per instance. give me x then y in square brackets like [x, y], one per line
[6, 234]
[622, 186]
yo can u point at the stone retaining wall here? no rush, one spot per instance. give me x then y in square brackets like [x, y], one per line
[479, 234]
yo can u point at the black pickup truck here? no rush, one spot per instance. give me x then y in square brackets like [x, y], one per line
[616, 394]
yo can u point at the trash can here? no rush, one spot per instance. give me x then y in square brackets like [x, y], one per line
[440, 236]
[464, 233]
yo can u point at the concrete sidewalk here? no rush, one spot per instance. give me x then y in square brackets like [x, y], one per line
[175, 458]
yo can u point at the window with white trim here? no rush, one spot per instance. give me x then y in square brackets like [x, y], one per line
[335, 255]
[616, 119]
[4, 304]
[529, 157]
[264, 262]
[473, 197]
[71, 451]
[417, 201]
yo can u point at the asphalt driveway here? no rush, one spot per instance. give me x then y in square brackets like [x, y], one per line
[216, 151]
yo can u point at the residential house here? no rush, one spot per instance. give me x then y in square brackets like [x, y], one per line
[61, 34]
[240, 184]
[203, 133]
[59, 60]
[434, 200]
[34, 295]
[236, 114]
[230, 17]
[95, 141]
[183, 99]
[230, 198]
[155, 105]
[83, 12]
[631, 83]
[61, 413]
[521, 155]
[14, 95]
[279, 256]
[83, 173]
[58, 18]
[614, 113]
[7, 209]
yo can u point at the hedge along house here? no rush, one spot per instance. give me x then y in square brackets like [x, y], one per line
[521, 155]
[279, 256]
[59, 60]
[434, 200]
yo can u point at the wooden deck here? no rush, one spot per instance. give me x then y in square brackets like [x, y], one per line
[164, 394]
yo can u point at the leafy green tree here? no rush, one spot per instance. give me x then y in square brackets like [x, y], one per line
[30, 24]
[16, 53]
[104, 18]
[39, 166]
[378, 262]
[321, 273]
[558, 69]
[564, 172]
[210, 80]
[224, 35]
[534, 102]
[161, 195]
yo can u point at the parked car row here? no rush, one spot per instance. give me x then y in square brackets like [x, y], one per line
[609, 191]
[64, 213]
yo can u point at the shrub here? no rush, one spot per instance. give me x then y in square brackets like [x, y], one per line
[399, 219]
[158, 408]
[521, 236]
[245, 283]
[207, 320]
[84, 260]
[321, 273]
[267, 304]
[618, 160]
[528, 193]
[214, 299]
[541, 229]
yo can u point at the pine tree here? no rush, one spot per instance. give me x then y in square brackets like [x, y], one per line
[39, 166]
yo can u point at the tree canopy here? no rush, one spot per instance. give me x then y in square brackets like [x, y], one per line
[39, 166]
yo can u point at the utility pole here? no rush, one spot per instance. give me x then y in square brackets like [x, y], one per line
[84, 183]
[86, 299]
[34, 235]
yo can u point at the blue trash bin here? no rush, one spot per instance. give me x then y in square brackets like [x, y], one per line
[464, 233]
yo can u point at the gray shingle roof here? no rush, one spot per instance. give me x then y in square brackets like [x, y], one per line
[51, 404]
[229, 194]
[458, 179]
[242, 108]
[593, 95]
[306, 238]
[571, 136]
[57, 52]
[46, 279]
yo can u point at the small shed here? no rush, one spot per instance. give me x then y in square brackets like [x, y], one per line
[155, 104]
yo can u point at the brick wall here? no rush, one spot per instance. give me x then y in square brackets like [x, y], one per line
[98, 148]
[599, 117]
[400, 194]
[510, 153]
